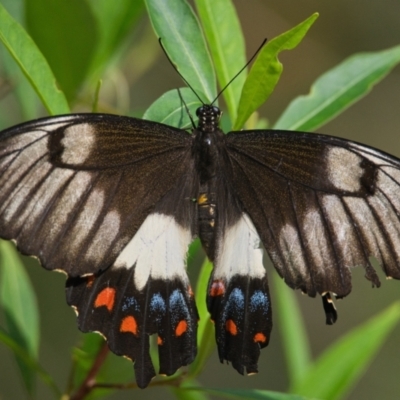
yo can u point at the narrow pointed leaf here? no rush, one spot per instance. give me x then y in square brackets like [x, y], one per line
[293, 332]
[32, 63]
[67, 35]
[205, 330]
[250, 394]
[338, 89]
[23, 91]
[225, 38]
[182, 394]
[30, 363]
[18, 301]
[267, 69]
[176, 24]
[114, 19]
[339, 367]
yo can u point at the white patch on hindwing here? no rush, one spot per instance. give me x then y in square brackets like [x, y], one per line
[344, 169]
[240, 252]
[78, 142]
[158, 249]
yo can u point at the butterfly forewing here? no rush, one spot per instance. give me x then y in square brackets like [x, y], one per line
[76, 197]
[320, 204]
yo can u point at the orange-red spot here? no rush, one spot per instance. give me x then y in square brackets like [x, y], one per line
[217, 288]
[89, 281]
[190, 291]
[159, 341]
[259, 338]
[231, 327]
[181, 328]
[105, 298]
[129, 324]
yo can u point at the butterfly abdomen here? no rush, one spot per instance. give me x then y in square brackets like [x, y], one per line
[206, 154]
[206, 221]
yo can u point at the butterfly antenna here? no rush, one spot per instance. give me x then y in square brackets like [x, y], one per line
[177, 71]
[186, 108]
[246, 65]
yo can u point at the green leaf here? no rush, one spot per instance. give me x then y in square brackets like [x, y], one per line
[225, 38]
[66, 33]
[169, 108]
[176, 24]
[205, 330]
[182, 394]
[30, 363]
[18, 301]
[250, 394]
[338, 89]
[267, 69]
[22, 89]
[32, 63]
[339, 367]
[114, 19]
[293, 332]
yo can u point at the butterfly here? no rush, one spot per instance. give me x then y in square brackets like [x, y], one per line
[114, 202]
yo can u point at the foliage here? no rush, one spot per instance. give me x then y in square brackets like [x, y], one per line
[204, 50]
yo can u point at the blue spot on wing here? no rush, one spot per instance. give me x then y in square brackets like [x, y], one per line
[178, 307]
[130, 302]
[157, 303]
[259, 300]
[234, 304]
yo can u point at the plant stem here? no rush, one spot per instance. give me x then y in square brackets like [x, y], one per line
[89, 382]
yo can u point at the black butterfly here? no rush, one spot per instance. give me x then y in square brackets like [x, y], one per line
[114, 202]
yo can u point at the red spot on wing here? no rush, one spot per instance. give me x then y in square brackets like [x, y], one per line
[181, 328]
[105, 298]
[89, 281]
[159, 341]
[259, 338]
[129, 324]
[217, 288]
[231, 327]
[190, 291]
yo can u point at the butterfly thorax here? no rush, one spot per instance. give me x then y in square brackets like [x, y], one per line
[205, 148]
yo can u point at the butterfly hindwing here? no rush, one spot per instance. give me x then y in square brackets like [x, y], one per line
[238, 296]
[145, 292]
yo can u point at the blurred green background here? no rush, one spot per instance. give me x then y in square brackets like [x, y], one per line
[141, 74]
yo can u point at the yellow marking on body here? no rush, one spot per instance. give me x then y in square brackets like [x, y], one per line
[202, 199]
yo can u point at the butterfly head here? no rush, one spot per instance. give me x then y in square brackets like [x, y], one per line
[209, 117]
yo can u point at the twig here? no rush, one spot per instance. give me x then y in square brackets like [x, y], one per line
[90, 381]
